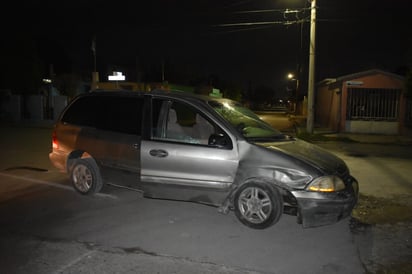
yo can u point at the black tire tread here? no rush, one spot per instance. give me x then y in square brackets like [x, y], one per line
[97, 183]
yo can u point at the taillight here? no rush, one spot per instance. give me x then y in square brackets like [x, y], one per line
[55, 143]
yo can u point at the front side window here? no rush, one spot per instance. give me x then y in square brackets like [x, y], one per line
[179, 122]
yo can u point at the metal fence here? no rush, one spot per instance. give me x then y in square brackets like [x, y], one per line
[31, 107]
[373, 104]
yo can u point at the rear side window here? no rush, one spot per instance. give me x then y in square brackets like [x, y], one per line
[112, 113]
[82, 111]
[122, 114]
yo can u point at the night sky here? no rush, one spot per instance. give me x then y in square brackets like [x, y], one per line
[193, 39]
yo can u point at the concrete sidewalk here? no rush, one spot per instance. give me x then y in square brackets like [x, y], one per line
[28, 123]
[298, 123]
[374, 138]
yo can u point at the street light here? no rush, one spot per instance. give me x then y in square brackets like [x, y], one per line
[311, 80]
[291, 78]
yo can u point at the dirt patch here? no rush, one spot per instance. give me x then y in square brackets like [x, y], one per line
[400, 268]
[373, 210]
[382, 229]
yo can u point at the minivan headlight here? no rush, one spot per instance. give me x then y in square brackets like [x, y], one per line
[326, 184]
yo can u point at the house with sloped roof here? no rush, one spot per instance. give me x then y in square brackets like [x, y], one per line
[371, 101]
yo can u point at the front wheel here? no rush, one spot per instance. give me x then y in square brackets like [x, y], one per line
[258, 205]
[85, 176]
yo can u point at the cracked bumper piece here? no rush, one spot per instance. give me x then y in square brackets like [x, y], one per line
[318, 209]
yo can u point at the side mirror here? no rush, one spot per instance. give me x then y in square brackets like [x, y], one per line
[219, 140]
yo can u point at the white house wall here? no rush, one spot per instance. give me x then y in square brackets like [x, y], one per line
[372, 127]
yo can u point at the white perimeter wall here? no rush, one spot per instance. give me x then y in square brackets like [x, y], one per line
[373, 127]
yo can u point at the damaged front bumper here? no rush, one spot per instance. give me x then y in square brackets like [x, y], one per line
[318, 209]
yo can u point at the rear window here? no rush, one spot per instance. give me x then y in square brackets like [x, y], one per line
[112, 113]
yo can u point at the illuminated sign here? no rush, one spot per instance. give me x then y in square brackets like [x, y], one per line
[117, 76]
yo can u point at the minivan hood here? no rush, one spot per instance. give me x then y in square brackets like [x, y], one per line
[311, 154]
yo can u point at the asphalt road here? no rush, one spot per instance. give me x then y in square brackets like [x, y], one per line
[46, 227]
[279, 120]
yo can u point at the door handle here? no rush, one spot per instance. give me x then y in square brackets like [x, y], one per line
[135, 146]
[158, 153]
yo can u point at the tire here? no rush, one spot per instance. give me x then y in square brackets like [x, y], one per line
[85, 176]
[258, 205]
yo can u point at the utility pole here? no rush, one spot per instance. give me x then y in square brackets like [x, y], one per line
[163, 70]
[95, 74]
[93, 48]
[311, 81]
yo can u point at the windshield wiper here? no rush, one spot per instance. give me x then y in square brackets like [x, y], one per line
[276, 138]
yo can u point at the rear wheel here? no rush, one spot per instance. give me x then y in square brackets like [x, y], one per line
[85, 176]
[258, 205]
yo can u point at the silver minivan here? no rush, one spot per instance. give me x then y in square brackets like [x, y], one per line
[180, 146]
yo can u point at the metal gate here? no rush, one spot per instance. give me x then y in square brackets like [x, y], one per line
[373, 104]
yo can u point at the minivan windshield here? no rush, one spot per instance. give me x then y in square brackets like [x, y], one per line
[246, 121]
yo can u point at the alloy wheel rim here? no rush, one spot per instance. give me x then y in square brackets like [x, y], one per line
[82, 178]
[255, 205]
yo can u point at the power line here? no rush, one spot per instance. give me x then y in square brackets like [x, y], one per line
[287, 22]
[284, 12]
[273, 10]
